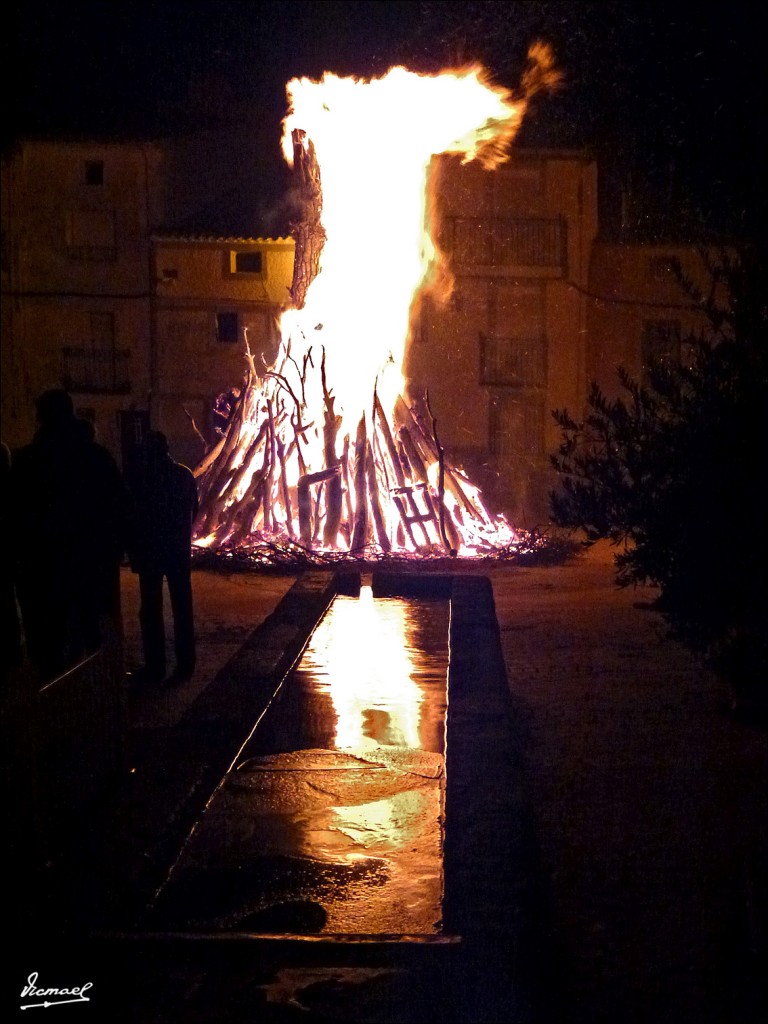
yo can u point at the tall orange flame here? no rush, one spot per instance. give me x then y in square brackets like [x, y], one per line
[319, 417]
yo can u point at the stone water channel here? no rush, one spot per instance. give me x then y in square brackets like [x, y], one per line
[331, 820]
[364, 855]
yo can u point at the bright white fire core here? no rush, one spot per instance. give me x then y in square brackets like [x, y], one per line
[322, 451]
[374, 141]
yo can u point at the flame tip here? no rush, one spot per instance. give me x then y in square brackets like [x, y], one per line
[282, 471]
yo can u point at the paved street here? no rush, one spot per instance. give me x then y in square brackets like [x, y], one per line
[645, 803]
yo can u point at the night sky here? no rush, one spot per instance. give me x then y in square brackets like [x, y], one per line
[670, 98]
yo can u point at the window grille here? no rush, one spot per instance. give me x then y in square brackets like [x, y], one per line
[96, 365]
[227, 328]
[507, 241]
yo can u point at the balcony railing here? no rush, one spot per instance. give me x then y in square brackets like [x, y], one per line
[506, 241]
[96, 370]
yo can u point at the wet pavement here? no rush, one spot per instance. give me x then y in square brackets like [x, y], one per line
[322, 849]
[331, 821]
[608, 860]
[279, 853]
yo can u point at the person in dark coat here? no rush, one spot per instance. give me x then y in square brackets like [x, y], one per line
[68, 510]
[11, 649]
[165, 505]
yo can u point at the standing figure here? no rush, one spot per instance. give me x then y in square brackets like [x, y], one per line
[165, 505]
[11, 649]
[68, 508]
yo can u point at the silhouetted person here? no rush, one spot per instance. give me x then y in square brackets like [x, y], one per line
[165, 505]
[223, 409]
[11, 625]
[69, 511]
[86, 429]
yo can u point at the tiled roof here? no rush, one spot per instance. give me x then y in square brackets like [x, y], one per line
[172, 236]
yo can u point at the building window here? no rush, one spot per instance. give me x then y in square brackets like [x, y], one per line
[95, 365]
[94, 172]
[660, 343]
[516, 428]
[246, 262]
[507, 241]
[227, 327]
[134, 425]
[512, 362]
[90, 233]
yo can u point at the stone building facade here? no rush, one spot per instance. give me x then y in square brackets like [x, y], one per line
[139, 326]
[147, 326]
[76, 278]
[637, 312]
[509, 344]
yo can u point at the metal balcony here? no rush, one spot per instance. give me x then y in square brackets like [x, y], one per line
[96, 370]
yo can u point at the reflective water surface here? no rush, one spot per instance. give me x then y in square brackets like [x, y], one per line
[374, 673]
[332, 821]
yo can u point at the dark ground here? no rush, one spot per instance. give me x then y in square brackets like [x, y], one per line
[647, 803]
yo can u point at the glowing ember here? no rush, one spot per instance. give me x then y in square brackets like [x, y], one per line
[321, 450]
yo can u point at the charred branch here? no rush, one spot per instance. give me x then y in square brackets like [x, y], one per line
[373, 496]
[308, 230]
[331, 423]
[360, 531]
[379, 492]
[440, 478]
[304, 500]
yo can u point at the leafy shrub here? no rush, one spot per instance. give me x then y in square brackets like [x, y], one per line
[674, 471]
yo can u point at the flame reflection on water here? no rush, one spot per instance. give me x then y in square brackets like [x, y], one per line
[383, 663]
[365, 656]
[343, 780]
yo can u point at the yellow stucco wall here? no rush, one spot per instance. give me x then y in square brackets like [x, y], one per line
[195, 281]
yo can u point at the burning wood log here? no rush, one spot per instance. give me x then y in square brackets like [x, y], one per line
[277, 474]
[286, 496]
[211, 456]
[440, 477]
[397, 468]
[346, 489]
[213, 480]
[269, 459]
[360, 532]
[226, 479]
[373, 497]
[331, 423]
[305, 501]
[427, 442]
[307, 231]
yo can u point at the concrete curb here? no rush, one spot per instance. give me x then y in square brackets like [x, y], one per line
[475, 972]
[216, 726]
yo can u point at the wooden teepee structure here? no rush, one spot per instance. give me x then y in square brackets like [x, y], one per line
[278, 477]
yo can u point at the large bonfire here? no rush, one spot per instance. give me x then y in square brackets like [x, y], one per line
[322, 456]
